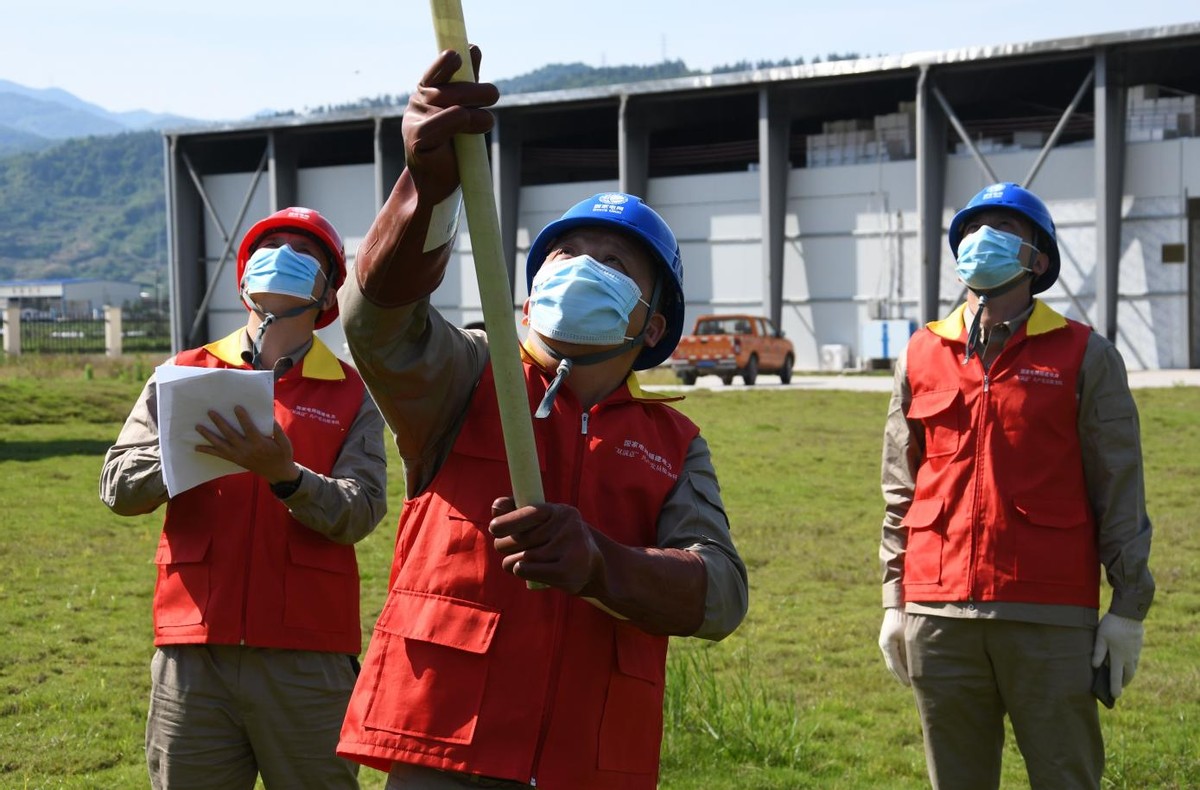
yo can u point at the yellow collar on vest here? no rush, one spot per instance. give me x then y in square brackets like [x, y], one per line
[318, 363]
[636, 391]
[1043, 319]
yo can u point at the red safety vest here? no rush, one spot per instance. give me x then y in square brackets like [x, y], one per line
[467, 669]
[234, 567]
[1000, 511]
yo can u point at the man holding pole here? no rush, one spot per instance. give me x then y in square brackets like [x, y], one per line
[472, 678]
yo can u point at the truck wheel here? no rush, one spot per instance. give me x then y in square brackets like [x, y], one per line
[688, 378]
[785, 373]
[750, 374]
[727, 379]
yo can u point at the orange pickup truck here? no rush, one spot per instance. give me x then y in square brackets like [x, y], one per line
[733, 345]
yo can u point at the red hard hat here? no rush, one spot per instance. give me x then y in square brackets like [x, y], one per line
[309, 222]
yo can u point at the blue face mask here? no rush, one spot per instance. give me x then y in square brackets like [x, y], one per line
[990, 258]
[580, 300]
[281, 270]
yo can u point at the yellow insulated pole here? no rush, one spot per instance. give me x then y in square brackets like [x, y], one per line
[495, 292]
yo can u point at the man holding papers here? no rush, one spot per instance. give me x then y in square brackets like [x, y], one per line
[256, 608]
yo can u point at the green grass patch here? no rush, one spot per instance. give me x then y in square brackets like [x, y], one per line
[796, 698]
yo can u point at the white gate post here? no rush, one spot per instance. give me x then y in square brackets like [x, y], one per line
[12, 330]
[112, 331]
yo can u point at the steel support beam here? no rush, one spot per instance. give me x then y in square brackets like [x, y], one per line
[773, 169]
[1058, 130]
[633, 151]
[1193, 281]
[506, 141]
[184, 240]
[1110, 168]
[931, 195]
[389, 158]
[230, 239]
[282, 186]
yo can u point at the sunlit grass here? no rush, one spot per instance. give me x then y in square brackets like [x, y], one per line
[796, 698]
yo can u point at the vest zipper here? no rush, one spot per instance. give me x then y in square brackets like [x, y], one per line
[249, 557]
[979, 463]
[563, 610]
[552, 686]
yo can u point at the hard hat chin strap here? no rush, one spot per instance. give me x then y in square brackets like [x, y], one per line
[566, 363]
[975, 330]
[269, 318]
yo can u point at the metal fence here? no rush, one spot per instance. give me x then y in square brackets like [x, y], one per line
[141, 332]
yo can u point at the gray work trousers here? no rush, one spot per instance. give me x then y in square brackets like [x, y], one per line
[220, 715]
[968, 673]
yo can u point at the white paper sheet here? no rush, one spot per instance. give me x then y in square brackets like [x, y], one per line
[185, 396]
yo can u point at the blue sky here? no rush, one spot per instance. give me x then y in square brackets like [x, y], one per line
[228, 59]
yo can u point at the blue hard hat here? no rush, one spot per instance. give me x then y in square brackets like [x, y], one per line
[630, 214]
[1007, 195]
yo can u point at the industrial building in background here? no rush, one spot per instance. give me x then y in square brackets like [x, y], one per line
[816, 195]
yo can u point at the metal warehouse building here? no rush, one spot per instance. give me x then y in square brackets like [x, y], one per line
[817, 195]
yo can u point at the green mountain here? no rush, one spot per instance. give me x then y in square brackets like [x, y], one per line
[93, 207]
[87, 207]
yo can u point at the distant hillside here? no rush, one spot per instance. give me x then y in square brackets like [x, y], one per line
[93, 205]
[34, 118]
[51, 119]
[88, 207]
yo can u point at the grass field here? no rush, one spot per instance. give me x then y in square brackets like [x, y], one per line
[797, 698]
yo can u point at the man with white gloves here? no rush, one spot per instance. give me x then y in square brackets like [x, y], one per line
[1012, 471]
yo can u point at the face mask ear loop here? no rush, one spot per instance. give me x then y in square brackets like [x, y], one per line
[651, 309]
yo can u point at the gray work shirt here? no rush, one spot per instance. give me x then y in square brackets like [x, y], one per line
[1110, 443]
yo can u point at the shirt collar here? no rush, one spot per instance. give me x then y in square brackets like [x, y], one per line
[314, 358]
[1038, 319]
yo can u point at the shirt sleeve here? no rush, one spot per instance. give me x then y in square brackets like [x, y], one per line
[131, 480]
[346, 505]
[420, 369]
[693, 519]
[1110, 441]
[903, 446]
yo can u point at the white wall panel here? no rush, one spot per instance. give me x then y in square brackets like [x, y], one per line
[850, 246]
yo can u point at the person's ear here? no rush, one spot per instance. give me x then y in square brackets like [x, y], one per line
[655, 330]
[1040, 263]
[329, 299]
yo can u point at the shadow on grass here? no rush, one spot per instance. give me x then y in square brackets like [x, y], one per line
[54, 448]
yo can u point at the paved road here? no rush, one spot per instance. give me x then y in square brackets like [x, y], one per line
[883, 383]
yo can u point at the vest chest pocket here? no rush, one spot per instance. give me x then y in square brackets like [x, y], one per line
[939, 411]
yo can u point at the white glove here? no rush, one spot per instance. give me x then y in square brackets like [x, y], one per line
[1121, 639]
[891, 642]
